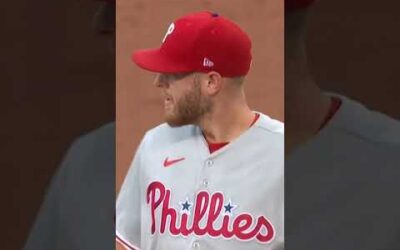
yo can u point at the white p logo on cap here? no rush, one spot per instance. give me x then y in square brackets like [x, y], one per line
[169, 31]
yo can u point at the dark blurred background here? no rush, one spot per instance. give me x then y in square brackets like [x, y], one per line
[341, 182]
[57, 82]
[354, 49]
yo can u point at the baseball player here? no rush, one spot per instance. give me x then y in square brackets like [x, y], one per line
[342, 168]
[211, 177]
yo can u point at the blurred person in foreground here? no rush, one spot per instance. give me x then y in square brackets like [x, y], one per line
[342, 168]
[78, 210]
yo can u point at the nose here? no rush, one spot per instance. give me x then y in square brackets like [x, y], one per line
[160, 81]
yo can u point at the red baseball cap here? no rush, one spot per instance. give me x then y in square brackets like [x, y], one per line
[200, 42]
[297, 4]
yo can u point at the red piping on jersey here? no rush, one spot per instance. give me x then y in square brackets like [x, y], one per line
[256, 116]
[218, 145]
[335, 105]
[125, 244]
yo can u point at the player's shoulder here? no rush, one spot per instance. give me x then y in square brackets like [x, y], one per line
[268, 133]
[103, 136]
[164, 134]
[356, 119]
[90, 154]
[269, 125]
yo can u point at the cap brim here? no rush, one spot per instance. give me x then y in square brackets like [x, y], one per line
[154, 60]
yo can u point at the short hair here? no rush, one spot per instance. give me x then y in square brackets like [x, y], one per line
[239, 80]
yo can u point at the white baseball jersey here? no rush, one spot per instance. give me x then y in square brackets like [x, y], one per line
[342, 186]
[177, 195]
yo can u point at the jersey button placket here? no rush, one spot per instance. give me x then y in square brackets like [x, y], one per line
[205, 182]
[196, 245]
[208, 164]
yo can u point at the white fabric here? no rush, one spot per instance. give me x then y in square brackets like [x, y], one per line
[246, 174]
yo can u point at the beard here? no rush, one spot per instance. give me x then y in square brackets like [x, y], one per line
[190, 108]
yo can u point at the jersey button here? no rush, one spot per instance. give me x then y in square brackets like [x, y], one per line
[209, 163]
[196, 245]
[205, 182]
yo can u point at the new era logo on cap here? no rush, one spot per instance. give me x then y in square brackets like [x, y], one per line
[200, 42]
[207, 62]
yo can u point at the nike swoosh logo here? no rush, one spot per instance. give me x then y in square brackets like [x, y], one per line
[168, 163]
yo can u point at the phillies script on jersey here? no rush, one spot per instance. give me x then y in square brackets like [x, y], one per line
[206, 206]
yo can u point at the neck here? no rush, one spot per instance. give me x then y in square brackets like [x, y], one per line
[228, 119]
[306, 105]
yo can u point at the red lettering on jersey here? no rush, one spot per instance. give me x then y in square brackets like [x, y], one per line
[201, 206]
[217, 201]
[185, 231]
[154, 203]
[168, 212]
[208, 209]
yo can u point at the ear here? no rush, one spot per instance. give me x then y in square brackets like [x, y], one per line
[212, 83]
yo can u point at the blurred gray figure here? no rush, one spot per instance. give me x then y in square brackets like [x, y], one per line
[342, 170]
[78, 210]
